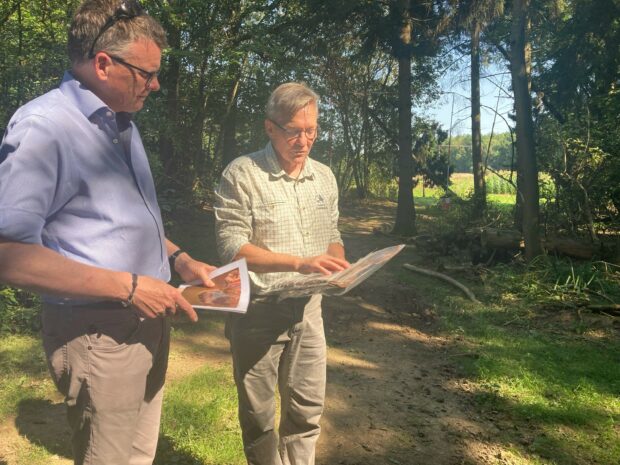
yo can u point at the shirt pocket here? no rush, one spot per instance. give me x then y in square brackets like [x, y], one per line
[273, 224]
[318, 206]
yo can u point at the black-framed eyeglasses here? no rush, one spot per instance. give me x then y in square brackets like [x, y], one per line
[127, 9]
[291, 134]
[147, 75]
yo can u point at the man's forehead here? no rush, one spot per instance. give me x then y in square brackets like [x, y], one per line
[142, 45]
[309, 111]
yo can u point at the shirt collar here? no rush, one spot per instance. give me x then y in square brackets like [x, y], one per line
[277, 171]
[84, 99]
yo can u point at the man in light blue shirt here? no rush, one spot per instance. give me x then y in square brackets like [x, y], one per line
[80, 224]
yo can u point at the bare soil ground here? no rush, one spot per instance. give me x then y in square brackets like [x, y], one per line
[394, 392]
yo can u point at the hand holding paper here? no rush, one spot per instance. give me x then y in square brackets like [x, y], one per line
[230, 293]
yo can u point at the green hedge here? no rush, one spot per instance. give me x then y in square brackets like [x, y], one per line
[19, 311]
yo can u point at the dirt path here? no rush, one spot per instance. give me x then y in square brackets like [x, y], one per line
[394, 394]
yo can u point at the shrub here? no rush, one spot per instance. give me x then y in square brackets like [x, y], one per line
[19, 311]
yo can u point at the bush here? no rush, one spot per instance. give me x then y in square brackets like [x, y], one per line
[19, 311]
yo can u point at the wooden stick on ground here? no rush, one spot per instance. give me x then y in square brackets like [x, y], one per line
[444, 277]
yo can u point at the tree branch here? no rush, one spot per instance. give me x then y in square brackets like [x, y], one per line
[443, 277]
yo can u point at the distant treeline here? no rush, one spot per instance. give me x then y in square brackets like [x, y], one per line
[499, 155]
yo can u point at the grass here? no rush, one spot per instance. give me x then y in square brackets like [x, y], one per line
[553, 377]
[24, 373]
[200, 420]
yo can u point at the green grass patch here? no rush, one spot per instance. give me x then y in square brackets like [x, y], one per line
[199, 422]
[24, 372]
[555, 377]
[502, 200]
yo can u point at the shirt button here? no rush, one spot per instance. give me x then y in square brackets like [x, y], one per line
[109, 114]
[115, 141]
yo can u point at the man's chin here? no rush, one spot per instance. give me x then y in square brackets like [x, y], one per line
[138, 106]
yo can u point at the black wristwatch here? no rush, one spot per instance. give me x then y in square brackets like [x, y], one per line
[173, 257]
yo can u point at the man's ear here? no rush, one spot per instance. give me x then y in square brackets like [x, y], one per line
[268, 127]
[102, 64]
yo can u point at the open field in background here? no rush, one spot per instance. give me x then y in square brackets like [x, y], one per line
[499, 190]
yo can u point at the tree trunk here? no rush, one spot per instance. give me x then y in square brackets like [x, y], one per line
[526, 155]
[405, 211]
[476, 137]
[230, 150]
[171, 83]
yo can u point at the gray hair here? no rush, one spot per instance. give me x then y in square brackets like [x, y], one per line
[287, 100]
[91, 16]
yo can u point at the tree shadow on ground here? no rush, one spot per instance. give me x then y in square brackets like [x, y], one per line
[167, 454]
[44, 423]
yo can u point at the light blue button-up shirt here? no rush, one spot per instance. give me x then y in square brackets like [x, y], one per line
[67, 183]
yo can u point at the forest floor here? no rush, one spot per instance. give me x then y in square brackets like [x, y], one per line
[397, 393]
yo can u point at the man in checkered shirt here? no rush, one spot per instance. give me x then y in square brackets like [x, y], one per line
[279, 209]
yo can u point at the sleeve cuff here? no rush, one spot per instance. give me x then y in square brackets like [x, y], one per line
[20, 226]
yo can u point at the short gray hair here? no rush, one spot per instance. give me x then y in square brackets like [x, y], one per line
[287, 100]
[91, 16]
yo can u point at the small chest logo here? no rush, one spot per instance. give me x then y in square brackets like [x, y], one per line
[320, 201]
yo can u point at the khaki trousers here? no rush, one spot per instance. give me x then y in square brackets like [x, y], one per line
[110, 365]
[281, 344]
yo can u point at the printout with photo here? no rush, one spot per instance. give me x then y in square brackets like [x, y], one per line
[337, 283]
[230, 294]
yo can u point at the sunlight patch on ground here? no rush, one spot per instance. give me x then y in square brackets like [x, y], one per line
[340, 357]
[195, 351]
[399, 330]
[476, 449]
[371, 307]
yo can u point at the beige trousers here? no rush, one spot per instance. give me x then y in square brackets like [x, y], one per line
[110, 365]
[281, 344]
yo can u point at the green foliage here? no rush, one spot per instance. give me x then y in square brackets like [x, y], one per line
[33, 55]
[577, 73]
[498, 156]
[19, 311]
[500, 184]
[560, 283]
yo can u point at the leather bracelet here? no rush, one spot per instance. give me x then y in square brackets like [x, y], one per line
[173, 257]
[134, 285]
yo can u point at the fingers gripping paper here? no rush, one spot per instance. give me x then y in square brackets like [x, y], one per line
[336, 283]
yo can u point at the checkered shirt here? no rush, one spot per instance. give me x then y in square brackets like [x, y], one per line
[258, 203]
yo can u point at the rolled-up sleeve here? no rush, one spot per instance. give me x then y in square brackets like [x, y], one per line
[233, 216]
[33, 171]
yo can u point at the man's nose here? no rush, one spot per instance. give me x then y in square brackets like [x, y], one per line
[154, 84]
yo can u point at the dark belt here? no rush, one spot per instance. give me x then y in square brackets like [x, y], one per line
[102, 305]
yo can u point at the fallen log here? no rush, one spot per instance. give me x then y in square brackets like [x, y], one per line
[444, 277]
[571, 247]
[501, 239]
[491, 238]
[615, 308]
